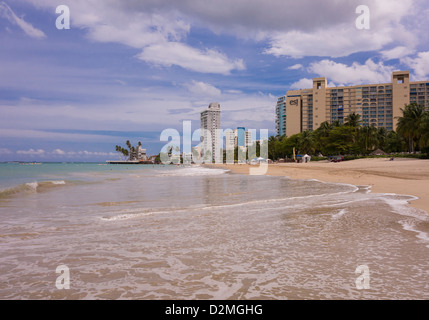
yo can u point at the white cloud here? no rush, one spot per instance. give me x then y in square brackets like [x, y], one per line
[304, 83]
[4, 151]
[50, 136]
[357, 73]
[233, 91]
[136, 30]
[203, 89]
[340, 74]
[62, 153]
[179, 54]
[420, 65]
[6, 12]
[31, 152]
[248, 110]
[296, 67]
[343, 38]
[294, 29]
[59, 152]
[339, 41]
[155, 27]
[397, 53]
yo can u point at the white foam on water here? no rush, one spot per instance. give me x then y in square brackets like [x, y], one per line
[127, 214]
[192, 171]
[366, 188]
[410, 226]
[58, 182]
[339, 214]
[288, 202]
[402, 207]
[356, 188]
[32, 185]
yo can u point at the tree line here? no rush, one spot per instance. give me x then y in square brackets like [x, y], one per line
[352, 138]
[131, 152]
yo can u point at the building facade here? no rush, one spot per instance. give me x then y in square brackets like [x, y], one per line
[248, 138]
[210, 121]
[379, 105]
[238, 138]
[241, 138]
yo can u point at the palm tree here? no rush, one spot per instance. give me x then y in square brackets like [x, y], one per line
[353, 120]
[321, 134]
[324, 128]
[409, 125]
[424, 130]
[336, 123]
[306, 142]
[125, 152]
[394, 142]
[368, 137]
[381, 137]
[271, 147]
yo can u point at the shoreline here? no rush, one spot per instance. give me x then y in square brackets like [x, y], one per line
[402, 176]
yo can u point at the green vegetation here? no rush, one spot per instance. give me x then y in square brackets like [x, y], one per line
[129, 153]
[355, 141]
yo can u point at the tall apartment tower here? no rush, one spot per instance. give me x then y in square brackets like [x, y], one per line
[241, 137]
[238, 138]
[210, 121]
[379, 105]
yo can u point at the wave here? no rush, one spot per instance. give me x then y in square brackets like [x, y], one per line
[415, 218]
[30, 188]
[192, 171]
[288, 202]
[411, 226]
[126, 214]
[400, 205]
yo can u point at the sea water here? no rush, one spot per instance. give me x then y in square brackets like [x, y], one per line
[174, 232]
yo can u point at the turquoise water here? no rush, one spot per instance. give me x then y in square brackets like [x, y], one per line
[13, 174]
[174, 232]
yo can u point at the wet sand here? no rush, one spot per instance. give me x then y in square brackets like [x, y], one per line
[401, 176]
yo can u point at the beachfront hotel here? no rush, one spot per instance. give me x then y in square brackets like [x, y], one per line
[378, 104]
[210, 121]
[238, 138]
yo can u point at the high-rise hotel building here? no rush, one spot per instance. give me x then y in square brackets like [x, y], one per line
[238, 138]
[210, 121]
[378, 104]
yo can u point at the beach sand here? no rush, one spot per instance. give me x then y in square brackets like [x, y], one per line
[401, 176]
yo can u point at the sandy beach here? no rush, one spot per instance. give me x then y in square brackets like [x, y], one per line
[401, 176]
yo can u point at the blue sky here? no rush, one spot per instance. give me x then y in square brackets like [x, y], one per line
[130, 69]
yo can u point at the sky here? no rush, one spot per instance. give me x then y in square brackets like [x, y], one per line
[129, 69]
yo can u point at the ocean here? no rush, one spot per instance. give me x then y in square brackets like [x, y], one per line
[95, 231]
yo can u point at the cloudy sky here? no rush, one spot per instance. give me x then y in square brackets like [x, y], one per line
[128, 69]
